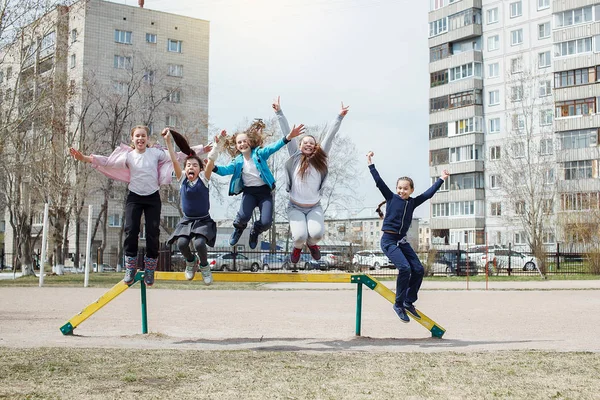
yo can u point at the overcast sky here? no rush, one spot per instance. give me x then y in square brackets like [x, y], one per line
[371, 54]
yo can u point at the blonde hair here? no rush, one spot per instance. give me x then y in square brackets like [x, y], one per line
[255, 134]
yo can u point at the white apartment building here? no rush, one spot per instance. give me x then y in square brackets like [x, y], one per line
[109, 54]
[512, 80]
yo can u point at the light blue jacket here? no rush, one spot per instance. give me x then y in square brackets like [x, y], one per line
[259, 155]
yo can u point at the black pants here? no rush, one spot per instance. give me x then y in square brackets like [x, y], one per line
[136, 205]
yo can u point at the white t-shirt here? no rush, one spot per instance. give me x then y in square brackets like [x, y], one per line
[250, 174]
[143, 170]
[306, 191]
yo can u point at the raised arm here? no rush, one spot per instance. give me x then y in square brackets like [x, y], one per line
[333, 129]
[385, 191]
[166, 134]
[267, 151]
[284, 125]
[212, 156]
[426, 195]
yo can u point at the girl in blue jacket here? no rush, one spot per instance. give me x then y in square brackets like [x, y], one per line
[397, 220]
[252, 176]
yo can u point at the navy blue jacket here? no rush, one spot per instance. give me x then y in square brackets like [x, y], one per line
[399, 212]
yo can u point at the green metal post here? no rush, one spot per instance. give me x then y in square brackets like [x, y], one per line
[358, 307]
[144, 310]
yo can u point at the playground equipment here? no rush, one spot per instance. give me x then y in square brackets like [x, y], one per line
[359, 279]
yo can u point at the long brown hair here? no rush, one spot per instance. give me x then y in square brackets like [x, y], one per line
[317, 159]
[255, 135]
[135, 128]
[402, 178]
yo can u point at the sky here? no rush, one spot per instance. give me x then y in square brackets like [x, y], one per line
[371, 54]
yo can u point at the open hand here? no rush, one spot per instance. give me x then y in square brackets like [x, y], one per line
[76, 154]
[296, 131]
[276, 105]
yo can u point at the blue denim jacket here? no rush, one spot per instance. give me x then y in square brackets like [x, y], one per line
[259, 155]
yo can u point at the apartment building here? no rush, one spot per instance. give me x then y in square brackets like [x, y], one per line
[512, 94]
[123, 66]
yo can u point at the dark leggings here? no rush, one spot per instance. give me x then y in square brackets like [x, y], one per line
[150, 206]
[199, 242]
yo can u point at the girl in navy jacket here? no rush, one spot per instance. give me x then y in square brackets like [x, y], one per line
[397, 220]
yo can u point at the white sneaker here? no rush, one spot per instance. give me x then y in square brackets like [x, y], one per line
[206, 275]
[190, 268]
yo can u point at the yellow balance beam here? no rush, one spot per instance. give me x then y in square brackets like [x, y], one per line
[259, 277]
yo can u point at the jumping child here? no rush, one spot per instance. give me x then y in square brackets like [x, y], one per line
[397, 220]
[196, 225]
[145, 169]
[252, 176]
[306, 170]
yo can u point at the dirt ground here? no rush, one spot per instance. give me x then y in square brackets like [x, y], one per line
[307, 320]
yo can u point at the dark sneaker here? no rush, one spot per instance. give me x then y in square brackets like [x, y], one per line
[129, 275]
[295, 257]
[253, 241]
[315, 252]
[412, 310]
[401, 313]
[235, 236]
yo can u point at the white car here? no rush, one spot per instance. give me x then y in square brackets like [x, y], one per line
[372, 258]
[517, 260]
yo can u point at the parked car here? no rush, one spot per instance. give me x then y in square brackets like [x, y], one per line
[517, 260]
[275, 261]
[450, 263]
[225, 262]
[479, 254]
[307, 262]
[334, 259]
[372, 258]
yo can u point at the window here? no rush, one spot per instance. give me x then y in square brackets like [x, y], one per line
[516, 9]
[520, 207]
[573, 170]
[493, 43]
[548, 206]
[546, 147]
[149, 76]
[546, 117]
[174, 96]
[438, 131]
[172, 120]
[438, 157]
[494, 70]
[438, 78]
[466, 45]
[494, 97]
[571, 47]
[575, 17]
[465, 153]
[439, 52]
[73, 35]
[575, 77]
[494, 125]
[122, 36]
[462, 208]
[549, 176]
[575, 107]
[463, 99]
[438, 27]
[473, 180]
[440, 210]
[579, 139]
[122, 62]
[545, 88]
[114, 220]
[467, 17]
[492, 15]
[495, 153]
[520, 238]
[544, 30]
[48, 41]
[543, 4]
[438, 104]
[516, 37]
[495, 181]
[496, 209]
[72, 61]
[548, 237]
[174, 46]
[465, 71]
[120, 87]
[597, 40]
[516, 93]
[516, 65]
[544, 59]
[579, 201]
[151, 38]
[518, 122]
[175, 70]
[171, 222]
[468, 125]
[518, 149]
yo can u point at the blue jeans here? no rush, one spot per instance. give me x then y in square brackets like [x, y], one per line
[410, 269]
[253, 197]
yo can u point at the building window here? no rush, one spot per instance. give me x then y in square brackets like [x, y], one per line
[438, 78]
[438, 104]
[438, 131]
[462, 208]
[122, 62]
[579, 139]
[548, 206]
[494, 97]
[495, 153]
[516, 9]
[48, 41]
[464, 99]
[516, 93]
[518, 122]
[543, 4]
[120, 87]
[571, 47]
[545, 88]
[174, 96]
[467, 17]
[114, 220]
[546, 147]
[175, 70]
[465, 71]
[73, 35]
[544, 59]
[149, 77]
[172, 120]
[496, 209]
[465, 153]
[520, 207]
[468, 125]
[518, 149]
[494, 125]
[438, 27]
[438, 157]
[493, 43]
[544, 30]
[439, 52]
[174, 46]
[575, 107]
[516, 37]
[492, 15]
[573, 170]
[122, 36]
[575, 77]
[576, 16]
[579, 201]
[151, 38]
[494, 70]
[516, 65]
[72, 61]
[546, 117]
[520, 238]
[440, 210]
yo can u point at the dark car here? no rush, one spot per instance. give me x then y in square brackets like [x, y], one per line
[451, 262]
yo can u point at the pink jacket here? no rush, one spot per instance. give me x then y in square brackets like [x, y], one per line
[115, 165]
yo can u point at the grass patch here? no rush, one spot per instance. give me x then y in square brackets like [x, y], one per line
[173, 374]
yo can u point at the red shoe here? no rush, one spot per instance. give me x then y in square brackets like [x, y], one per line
[295, 257]
[315, 252]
